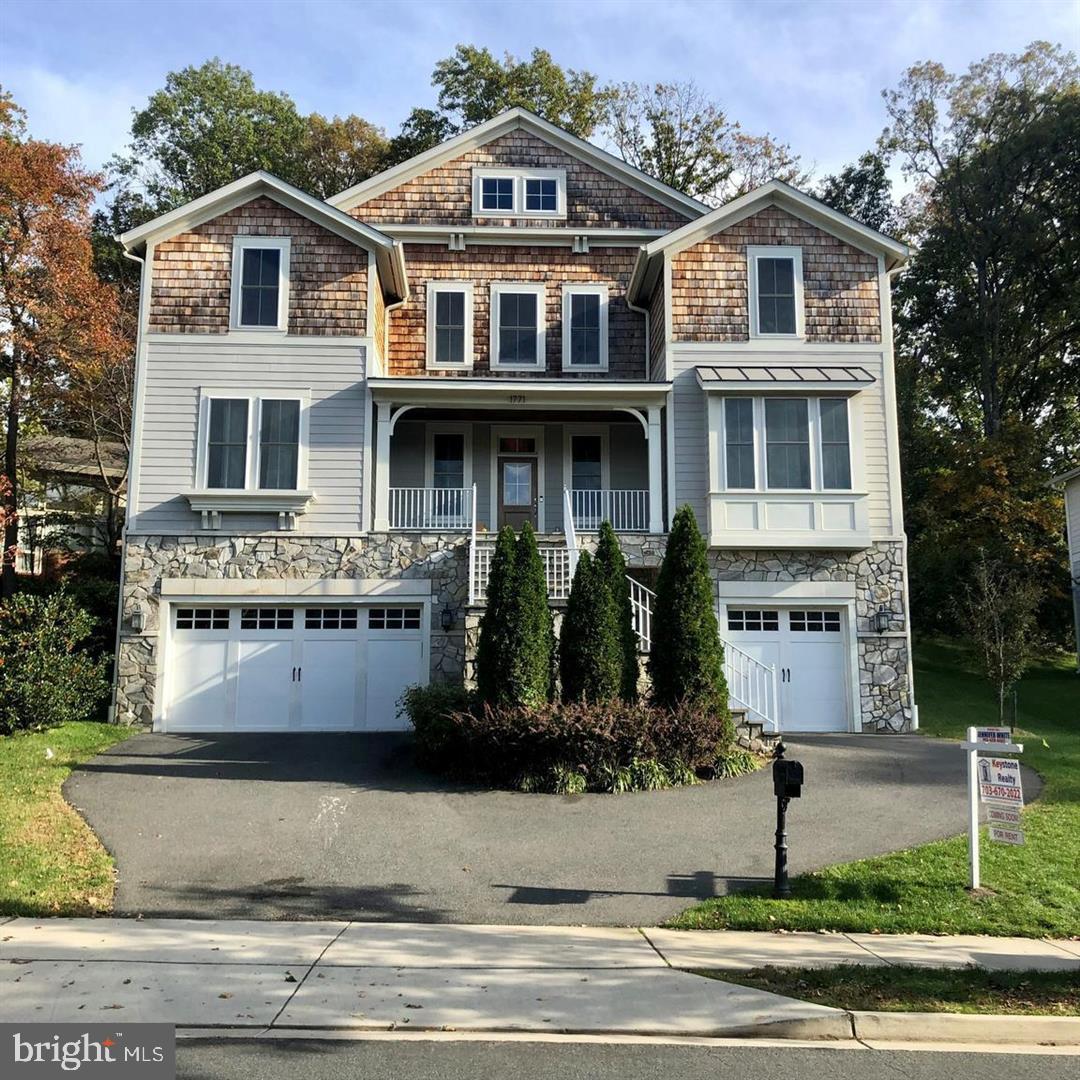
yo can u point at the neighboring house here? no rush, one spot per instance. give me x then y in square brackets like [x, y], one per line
[1070, 482]
[67, 500]
[338, 403]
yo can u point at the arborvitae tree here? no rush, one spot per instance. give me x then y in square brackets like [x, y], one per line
[687, 659]
[590, 657]
[497, 649]
[612, 565]
[533, 629]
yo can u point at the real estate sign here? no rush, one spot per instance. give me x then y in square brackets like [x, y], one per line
[993, 735]
[1005, 835]
[1003, 815]
[999, 781]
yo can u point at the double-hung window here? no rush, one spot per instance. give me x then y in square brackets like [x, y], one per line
[517, 327]
[776, 291]
[585, 327]
[449, 324]
[260, 289]
[787, 444]
[252, 442]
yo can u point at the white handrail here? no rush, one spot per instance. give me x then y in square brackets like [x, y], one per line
[752, 685]
[626, 508]
[431, 509]
[571, 535]
[641, 605]
[555, 557]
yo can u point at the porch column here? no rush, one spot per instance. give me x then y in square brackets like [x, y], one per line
[382, 469]
[656, 480]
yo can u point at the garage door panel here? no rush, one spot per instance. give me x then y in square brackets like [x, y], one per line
[817, 687]
[198, 678]
[328, 684]
[263, 685]
[393, 663]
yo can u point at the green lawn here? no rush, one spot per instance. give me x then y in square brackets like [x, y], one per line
[1029, 891]
[913, 989]
[50, 861]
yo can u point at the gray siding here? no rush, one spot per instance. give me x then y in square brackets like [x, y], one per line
[691, 451]
[175, 370]
[1072, 512]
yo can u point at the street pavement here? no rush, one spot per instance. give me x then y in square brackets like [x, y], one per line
[346, 827]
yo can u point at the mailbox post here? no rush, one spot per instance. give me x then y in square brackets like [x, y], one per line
[787, 785]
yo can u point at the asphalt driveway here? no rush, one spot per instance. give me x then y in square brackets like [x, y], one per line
[334, 826]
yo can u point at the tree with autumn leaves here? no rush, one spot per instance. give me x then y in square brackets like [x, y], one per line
[62, 333]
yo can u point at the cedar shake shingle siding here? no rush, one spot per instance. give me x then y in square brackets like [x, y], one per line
[710, 284]
[443, 196]
[554, 267]
[192, 274]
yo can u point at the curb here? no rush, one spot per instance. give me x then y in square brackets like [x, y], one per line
[966, 1028]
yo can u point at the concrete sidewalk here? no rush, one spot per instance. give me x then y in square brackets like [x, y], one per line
[378, 976]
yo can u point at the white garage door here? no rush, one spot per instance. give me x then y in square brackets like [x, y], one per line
[809, 649]
[276, 667]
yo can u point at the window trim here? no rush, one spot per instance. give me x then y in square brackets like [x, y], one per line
[776, 251]
[433, 290]
[568, 291]
[254, 399]
[813, 404]
[245, 243]
[466, 431]
[519, 176]
[498, 289]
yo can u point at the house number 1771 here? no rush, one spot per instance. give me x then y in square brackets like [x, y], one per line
[517, 399]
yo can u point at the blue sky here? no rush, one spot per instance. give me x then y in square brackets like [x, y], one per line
[808, 72]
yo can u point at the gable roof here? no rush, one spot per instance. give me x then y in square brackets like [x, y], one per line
[1065, 477]
[388, 252]
[513, 120]
[773, 193]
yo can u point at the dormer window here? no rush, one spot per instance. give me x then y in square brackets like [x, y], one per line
[530, 193]
[776, 291]
[260, 283]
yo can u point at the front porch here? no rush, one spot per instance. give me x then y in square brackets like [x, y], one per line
[453, 458]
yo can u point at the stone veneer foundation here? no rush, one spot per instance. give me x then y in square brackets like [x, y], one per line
[877, 573]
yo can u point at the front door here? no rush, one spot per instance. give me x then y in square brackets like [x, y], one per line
[517, 492]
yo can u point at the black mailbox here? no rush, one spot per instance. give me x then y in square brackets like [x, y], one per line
[787, 779]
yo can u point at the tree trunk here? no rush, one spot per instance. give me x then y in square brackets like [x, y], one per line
[11, 495]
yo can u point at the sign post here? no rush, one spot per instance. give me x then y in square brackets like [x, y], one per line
[993, 780]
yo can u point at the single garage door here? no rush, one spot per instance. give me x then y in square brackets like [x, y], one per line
[287, 667]
[809, 649]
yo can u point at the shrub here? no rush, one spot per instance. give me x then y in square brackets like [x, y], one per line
[609, 558]
[535, 630]
[429, 709]
[590, 656]
[46, 675]
[687, 659]
[615, 745]
[496, 648]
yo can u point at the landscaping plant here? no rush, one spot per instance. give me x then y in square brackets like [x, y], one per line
[612, 565]
[687, 659]
[497, 647]
[532, 627]
[46, 675]
[590, 654]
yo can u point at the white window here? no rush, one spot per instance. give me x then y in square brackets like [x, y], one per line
[517, 327]
[756, 621]
[776, 292]
[535, 193]
[252, 441]
[786, 444]
[260, 283]
[449, 324]
[585, 328]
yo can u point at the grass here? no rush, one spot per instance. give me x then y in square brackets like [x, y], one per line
[1029, 891]
[914, 989]
[50, 861]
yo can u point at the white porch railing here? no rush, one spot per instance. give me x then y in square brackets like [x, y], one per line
[641, 605]
[432, 509]
[557, 572]
[751, 686]
[627, 509]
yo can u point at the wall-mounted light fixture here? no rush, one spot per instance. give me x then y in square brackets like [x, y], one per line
[138, 618]
[882, 619]
[447, 618]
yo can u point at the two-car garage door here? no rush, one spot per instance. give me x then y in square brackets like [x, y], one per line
[291, 667]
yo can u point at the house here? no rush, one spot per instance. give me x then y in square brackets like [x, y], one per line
[1070, 483]
[338, 404]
